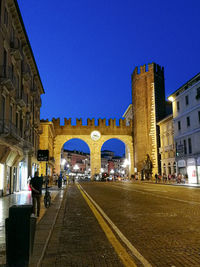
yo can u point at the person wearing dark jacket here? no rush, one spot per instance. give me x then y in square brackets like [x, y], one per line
[36, 187]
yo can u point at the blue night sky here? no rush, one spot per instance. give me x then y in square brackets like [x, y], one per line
[86, 50]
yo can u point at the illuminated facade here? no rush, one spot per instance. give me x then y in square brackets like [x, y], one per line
[20, 90]
[167, 148]
[46, 142]
[186, 118]
[148, 99]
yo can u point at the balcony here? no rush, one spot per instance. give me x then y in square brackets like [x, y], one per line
[9, 131]
[15, 49]
[7, 78]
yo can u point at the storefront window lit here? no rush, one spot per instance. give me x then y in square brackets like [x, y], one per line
[192, 177]
[1, 176]
[23, 175]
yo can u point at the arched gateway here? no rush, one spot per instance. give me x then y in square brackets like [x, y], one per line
[95, 136]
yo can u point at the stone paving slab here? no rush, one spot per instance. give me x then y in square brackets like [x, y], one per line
[77, 239]
[44, 230]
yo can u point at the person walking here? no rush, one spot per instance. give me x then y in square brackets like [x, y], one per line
[36, 187]
[156, 178]
[60, 181]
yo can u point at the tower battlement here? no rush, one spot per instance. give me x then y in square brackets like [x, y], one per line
[112, 123]
[151, 67]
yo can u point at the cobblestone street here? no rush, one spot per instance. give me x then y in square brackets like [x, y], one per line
[160, 221]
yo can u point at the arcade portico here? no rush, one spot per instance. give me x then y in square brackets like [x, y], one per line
[94, 136]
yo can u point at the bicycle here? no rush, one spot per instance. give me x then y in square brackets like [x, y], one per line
[47, 197]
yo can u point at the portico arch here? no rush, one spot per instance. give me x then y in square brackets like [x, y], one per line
[104, 132]
[95, 150]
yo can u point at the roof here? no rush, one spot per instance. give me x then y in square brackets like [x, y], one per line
[28, 42]
[127, 110]
[186, 85]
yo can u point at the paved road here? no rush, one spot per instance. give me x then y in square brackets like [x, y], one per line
[130, 224]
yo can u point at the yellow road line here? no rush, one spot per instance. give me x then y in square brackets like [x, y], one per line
[120, 250]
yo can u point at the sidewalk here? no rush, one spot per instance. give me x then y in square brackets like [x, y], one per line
[20, 198]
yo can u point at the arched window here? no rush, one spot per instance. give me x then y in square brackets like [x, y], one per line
[164, 168]
[174, 167]
[169, 168]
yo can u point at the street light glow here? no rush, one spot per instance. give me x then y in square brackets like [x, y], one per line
[170, 98]
[76, 167]
[63, 162]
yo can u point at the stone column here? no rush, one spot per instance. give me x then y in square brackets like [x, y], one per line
[95, 159]
[57, 153]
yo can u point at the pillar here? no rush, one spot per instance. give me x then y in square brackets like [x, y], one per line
[95, 159]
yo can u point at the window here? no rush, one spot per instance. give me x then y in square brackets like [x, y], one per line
[3, 105]
[199, 116]
[198, 93]
[188, 121]
[186, 100]
[6, 17]
[11, 113]
[4, 62]
[178, 106]
[169, 168]
[21, 125]
[185, 147]
[179, 125]
[17, 120]
[189, 145]
[0, 10]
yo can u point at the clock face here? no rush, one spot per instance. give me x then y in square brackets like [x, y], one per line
[95, 135]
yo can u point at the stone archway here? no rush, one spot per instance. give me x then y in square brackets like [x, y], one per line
[95, 150]
[127, 140]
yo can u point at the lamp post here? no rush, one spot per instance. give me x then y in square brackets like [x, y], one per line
[125, 165]
[63, 161]
[112, 172]
[76, 168]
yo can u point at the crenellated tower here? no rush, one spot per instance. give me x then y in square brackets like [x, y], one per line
[148, 98]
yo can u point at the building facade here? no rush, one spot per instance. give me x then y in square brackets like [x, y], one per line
[167, 148]
[47, 135]
[128, 114]
[186, 118]
[78, 158]
[20, 102]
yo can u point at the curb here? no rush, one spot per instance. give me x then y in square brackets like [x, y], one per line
[44, 230]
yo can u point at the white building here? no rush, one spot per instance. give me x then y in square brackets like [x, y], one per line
[186, 118]
[167, 148]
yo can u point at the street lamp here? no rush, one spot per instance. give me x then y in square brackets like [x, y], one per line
[126, 164]
[76, 168]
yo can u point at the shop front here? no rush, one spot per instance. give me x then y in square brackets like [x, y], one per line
[182, 167]
[198, 169]
[191, 171]
[2, 175]
[23, 176]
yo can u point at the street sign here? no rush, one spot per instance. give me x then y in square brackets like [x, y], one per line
[43, 155]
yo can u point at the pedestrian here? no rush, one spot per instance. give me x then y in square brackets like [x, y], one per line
[65, 179]
[36, 187]
[156, 178]
[60, 181]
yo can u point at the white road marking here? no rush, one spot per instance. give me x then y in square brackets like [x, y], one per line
[170, 198]
[135, 252]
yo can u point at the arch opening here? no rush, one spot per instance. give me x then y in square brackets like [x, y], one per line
[75, 160]
[115, 160]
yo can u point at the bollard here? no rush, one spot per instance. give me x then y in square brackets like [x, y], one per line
[20, 230]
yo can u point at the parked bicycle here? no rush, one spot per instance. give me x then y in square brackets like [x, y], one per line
[47, 196]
